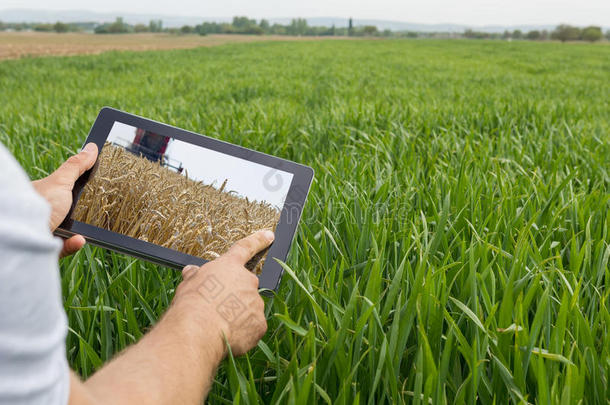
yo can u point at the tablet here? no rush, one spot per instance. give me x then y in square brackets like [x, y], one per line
[174, 197]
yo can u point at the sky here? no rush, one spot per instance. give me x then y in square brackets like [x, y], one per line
[468, 12]
[248, 179]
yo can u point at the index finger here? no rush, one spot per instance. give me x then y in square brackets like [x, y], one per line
[243, 250]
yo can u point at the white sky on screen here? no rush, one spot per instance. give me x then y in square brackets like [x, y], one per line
[211, 167]
[469, 12]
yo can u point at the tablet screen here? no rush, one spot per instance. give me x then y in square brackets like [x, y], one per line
[178, 195]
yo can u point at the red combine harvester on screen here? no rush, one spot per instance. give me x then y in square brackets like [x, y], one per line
[153, 147]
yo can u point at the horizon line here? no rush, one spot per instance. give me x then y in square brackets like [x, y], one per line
[355, 19]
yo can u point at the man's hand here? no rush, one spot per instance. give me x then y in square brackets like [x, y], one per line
[175, 362]
[57, 190]
[225, 291]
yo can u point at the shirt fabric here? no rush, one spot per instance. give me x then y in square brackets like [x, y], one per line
[33, 324]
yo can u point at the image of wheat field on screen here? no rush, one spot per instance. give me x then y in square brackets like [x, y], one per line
[145, 199]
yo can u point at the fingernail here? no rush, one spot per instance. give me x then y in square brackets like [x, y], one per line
[190, 267]
[90, 148]
[267, 234]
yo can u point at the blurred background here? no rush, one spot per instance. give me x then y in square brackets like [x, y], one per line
[239, 21]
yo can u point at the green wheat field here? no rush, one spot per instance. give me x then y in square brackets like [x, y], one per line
[455, 245]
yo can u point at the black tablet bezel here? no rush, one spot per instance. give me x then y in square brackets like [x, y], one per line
[293, 207]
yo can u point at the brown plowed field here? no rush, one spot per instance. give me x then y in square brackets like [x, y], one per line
[15, 45]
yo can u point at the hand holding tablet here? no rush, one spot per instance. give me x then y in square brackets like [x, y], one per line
[176, 198]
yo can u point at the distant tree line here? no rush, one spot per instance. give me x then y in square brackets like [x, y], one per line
[297, 26]
[49, 27]
[121, 27]
[300, 27]
[561, 33]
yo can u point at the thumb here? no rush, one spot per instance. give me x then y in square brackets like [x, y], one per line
[77, 164]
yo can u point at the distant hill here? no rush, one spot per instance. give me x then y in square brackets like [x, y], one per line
[47, 16]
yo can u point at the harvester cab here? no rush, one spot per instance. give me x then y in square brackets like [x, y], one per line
[153, 147]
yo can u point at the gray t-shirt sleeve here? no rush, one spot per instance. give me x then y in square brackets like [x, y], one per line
[33, 326]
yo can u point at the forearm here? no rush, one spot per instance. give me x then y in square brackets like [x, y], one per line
[169, 365]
